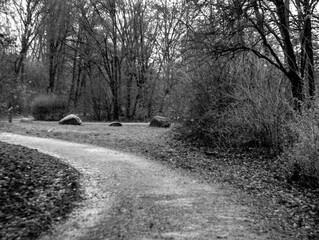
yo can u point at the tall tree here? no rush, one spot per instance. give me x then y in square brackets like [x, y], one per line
[305, 12]
[266, 29]
[100, 20]
[171, 16]
[138, 36]
[26, 15]
[55, 29]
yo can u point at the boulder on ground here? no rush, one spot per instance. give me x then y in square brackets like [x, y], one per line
[115, 124]
[159, 121]
[71, 119]
[26, 120]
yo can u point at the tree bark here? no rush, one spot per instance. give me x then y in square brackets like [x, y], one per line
[309, 56]
[52, 67]
[20, 73]
[128, 95]
[293, 71]
[115, 68]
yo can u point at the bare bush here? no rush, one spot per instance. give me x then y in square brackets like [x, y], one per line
[242, 104]
[303, 155]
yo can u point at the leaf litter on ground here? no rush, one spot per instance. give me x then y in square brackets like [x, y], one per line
[36, 190]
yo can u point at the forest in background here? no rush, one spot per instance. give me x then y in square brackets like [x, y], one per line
[235, 73]
[133, 59]
[107, 59]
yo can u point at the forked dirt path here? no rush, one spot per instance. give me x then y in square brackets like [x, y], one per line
[129, 197]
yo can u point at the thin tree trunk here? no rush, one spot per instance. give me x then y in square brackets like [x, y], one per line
[72, 90]
[310, 57]
[307, 56]
[128, 96]
[20, 73]
[79, 84]
[115, 69]
[135, 105]
[52, 68]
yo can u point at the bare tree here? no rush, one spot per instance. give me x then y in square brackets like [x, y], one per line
[27, 15]
[267, 28]
[56, 27]
[305, 12]
[138, 36]
[99, 20]
[171, 17]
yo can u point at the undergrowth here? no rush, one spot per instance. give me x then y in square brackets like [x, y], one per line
[48, 107]
[302, 154]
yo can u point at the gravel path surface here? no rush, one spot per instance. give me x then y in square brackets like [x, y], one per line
[129, 197]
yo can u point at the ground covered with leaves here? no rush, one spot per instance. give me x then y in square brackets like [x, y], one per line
[279, 205]
[36, 190]
[264, 182]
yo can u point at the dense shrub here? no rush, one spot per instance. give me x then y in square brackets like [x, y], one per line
[242, 107]
[263, 116]
[48, 108]
[302, 155]
[209, 129]
[239, 127]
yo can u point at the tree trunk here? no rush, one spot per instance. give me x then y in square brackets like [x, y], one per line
[296, 88]
[128, 96]
[52, 68]
[135, 105]
[72, 90]
[293, 71]
[20, 74]
[115, 63]
[79, 85]
[310, 57]
[116, 109]
[307, 56]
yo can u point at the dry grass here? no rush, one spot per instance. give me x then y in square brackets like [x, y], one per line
[132, 137]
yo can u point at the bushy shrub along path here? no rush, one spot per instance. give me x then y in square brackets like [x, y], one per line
[35, 191]
[280, 206]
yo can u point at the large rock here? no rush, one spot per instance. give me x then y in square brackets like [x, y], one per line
[71, 119]
[159, 121]
[115, 124]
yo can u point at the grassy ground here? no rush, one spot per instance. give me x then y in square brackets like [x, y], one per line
[278, 205]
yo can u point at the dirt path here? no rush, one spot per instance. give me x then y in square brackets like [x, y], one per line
[129, 197]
